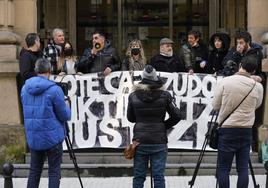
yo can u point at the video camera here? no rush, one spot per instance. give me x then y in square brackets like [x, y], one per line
[64, 87]
[230, 68]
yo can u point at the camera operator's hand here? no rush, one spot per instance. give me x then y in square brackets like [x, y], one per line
[107, 71]
[67, 102]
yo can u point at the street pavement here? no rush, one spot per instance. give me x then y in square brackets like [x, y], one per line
[126, 182]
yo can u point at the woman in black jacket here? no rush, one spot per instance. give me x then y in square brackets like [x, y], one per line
[147, 108]
[220, 43]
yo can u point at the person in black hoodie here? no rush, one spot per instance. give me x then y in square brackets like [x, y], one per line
[147, 108]
[29, 56]
[220, 43]
[243, 47]
[166, 60]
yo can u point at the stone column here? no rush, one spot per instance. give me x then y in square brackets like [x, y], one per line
[11, 131]
[257, 18]
[263, 130]
[25, 18]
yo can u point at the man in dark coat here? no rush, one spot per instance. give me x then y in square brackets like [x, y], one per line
[166, 60]
[102, 57]
[147, 108]
[29, 56]
[194, 54]
[244, 47]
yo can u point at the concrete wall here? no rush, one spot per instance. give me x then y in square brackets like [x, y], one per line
[257, 18]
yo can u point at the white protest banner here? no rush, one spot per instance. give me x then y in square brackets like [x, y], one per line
[99, 107]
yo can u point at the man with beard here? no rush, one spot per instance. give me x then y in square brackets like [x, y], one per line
[53, 50]
[244, 47]
[101, 57]
[166, 60]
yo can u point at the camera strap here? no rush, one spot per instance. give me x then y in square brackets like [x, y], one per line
[220, 124]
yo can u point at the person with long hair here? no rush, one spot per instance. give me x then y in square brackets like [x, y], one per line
[219, 43]
[135, 58]
[67, 61]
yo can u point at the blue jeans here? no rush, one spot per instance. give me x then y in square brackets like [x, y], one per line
[54, 156]
[157, 153]
[234, 141]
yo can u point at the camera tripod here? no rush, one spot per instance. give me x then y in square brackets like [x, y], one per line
[71, 153]
[201, 155]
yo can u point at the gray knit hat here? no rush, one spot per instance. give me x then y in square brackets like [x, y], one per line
[149, 73]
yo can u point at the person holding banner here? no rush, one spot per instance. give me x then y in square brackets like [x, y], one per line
[241, 94]
[102, 57]
[67, 60]
[54, 48]
[147, 108]
[135, 59]
[219, 43]
[166, 60]
[45, 113]
[194, 54]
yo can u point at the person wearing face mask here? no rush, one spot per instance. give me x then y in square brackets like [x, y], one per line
[166, 60]
[194, 53]
[54, 48]
[135, 59]
[219, 43]
[68, 61]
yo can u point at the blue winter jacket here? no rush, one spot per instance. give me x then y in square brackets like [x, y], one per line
[44, 112]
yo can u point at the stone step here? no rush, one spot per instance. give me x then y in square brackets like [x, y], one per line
[121, 170]
[118, 158]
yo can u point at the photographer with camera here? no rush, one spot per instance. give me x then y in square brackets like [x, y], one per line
[100, 58]
[236, 97]
[45, 114]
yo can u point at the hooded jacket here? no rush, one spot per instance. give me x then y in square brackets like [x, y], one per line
[45, 113]
[234, 56]
[147, 108]
[216, 56]
[107, 57]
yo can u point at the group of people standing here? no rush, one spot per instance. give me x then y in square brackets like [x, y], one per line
[43, 101]
[193, 57]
